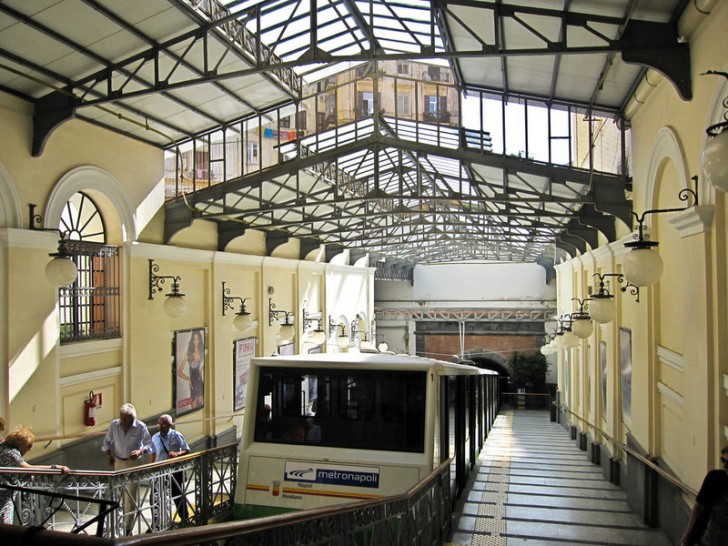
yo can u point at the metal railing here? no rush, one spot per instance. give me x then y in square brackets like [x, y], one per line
[527, 400]
[617, 445]
[421, 516]
[187, 491]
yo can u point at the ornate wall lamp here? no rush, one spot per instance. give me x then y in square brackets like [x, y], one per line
[175, 304]
[642, 266]
[62, 269]
[382, 346]
[601, 302]
[581, 323]
[286, 331]
[342, 340]
[715, 155]
[243, 320]
[550, 347]
[317, 335]
[564, 337]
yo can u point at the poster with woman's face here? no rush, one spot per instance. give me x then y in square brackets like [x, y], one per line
[189, 370]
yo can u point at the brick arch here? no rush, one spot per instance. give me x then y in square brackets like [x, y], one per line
[488, 359]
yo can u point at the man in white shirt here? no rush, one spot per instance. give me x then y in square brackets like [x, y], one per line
[125, 443]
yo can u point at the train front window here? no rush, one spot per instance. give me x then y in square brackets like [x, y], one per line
[382, 410]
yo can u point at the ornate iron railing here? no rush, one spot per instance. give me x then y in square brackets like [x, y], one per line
[150, 498]
[420, 516]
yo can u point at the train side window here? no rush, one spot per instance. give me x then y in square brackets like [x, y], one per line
[356, 396]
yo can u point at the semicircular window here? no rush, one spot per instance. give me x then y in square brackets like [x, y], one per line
[81, 220]
[90, 308]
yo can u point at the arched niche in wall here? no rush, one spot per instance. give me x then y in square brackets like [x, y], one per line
[108, 194]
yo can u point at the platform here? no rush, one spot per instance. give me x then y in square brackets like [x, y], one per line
[534, 486]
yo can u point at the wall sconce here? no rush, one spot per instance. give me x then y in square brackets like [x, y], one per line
[62, 269]
[355, 328]
[317, 335]
[382, 346]
[565, 338]
[175, 304]
[342, 340]
[243, 320]
[715, 155]
[550, 347]
[286, 331]
[642, 266]
[601, 303]
[581, 323]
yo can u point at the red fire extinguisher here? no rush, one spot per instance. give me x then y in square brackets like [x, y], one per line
[89, 410]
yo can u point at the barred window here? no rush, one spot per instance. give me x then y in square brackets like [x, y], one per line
[90, 308]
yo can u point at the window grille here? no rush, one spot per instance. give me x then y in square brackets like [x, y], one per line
[90, 308]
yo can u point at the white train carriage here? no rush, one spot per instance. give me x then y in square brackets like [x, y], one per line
[330, 428]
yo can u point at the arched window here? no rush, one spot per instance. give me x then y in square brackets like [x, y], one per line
[90, 308]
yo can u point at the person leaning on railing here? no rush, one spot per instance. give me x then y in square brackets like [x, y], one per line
[126, 442]
[12, 450]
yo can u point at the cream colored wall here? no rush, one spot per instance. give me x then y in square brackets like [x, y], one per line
[679, 367]
[45, 384]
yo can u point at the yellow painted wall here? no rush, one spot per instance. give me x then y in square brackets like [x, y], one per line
[679, 405]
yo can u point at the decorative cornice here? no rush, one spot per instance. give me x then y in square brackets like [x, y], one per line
[29, 238]
[85, 348]
[694, 221]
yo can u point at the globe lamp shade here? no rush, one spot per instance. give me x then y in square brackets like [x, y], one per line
[61, 271]
[243, 322]
[582, 327]
[342, 341]
[383, 347]
[642, 266]
[559, 342]
[175, 305]
[286, 333]
[602, 309]
[715, 161]
[570, 340]
[317, 336]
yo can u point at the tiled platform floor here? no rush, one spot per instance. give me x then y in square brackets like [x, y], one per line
[534, 486]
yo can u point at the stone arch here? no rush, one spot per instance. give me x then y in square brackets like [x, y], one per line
[488, 359]
[10, 214]
[667, 147]
[108, 193]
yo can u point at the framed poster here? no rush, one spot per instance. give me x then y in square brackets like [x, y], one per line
[286, 350]
[603, 368]
[243, 351]
[189, 370]
[625, 366]
[314, 350]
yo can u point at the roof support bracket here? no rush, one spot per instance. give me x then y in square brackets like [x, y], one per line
[49, 112]
[274, 239]
[656, 45]
[177, 216]
[227, 231]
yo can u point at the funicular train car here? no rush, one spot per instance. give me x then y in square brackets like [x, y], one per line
[331, 428]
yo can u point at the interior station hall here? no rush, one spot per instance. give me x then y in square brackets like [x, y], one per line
[449, 179]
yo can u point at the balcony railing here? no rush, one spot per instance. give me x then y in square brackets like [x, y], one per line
[421, 516]
[188, 491]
